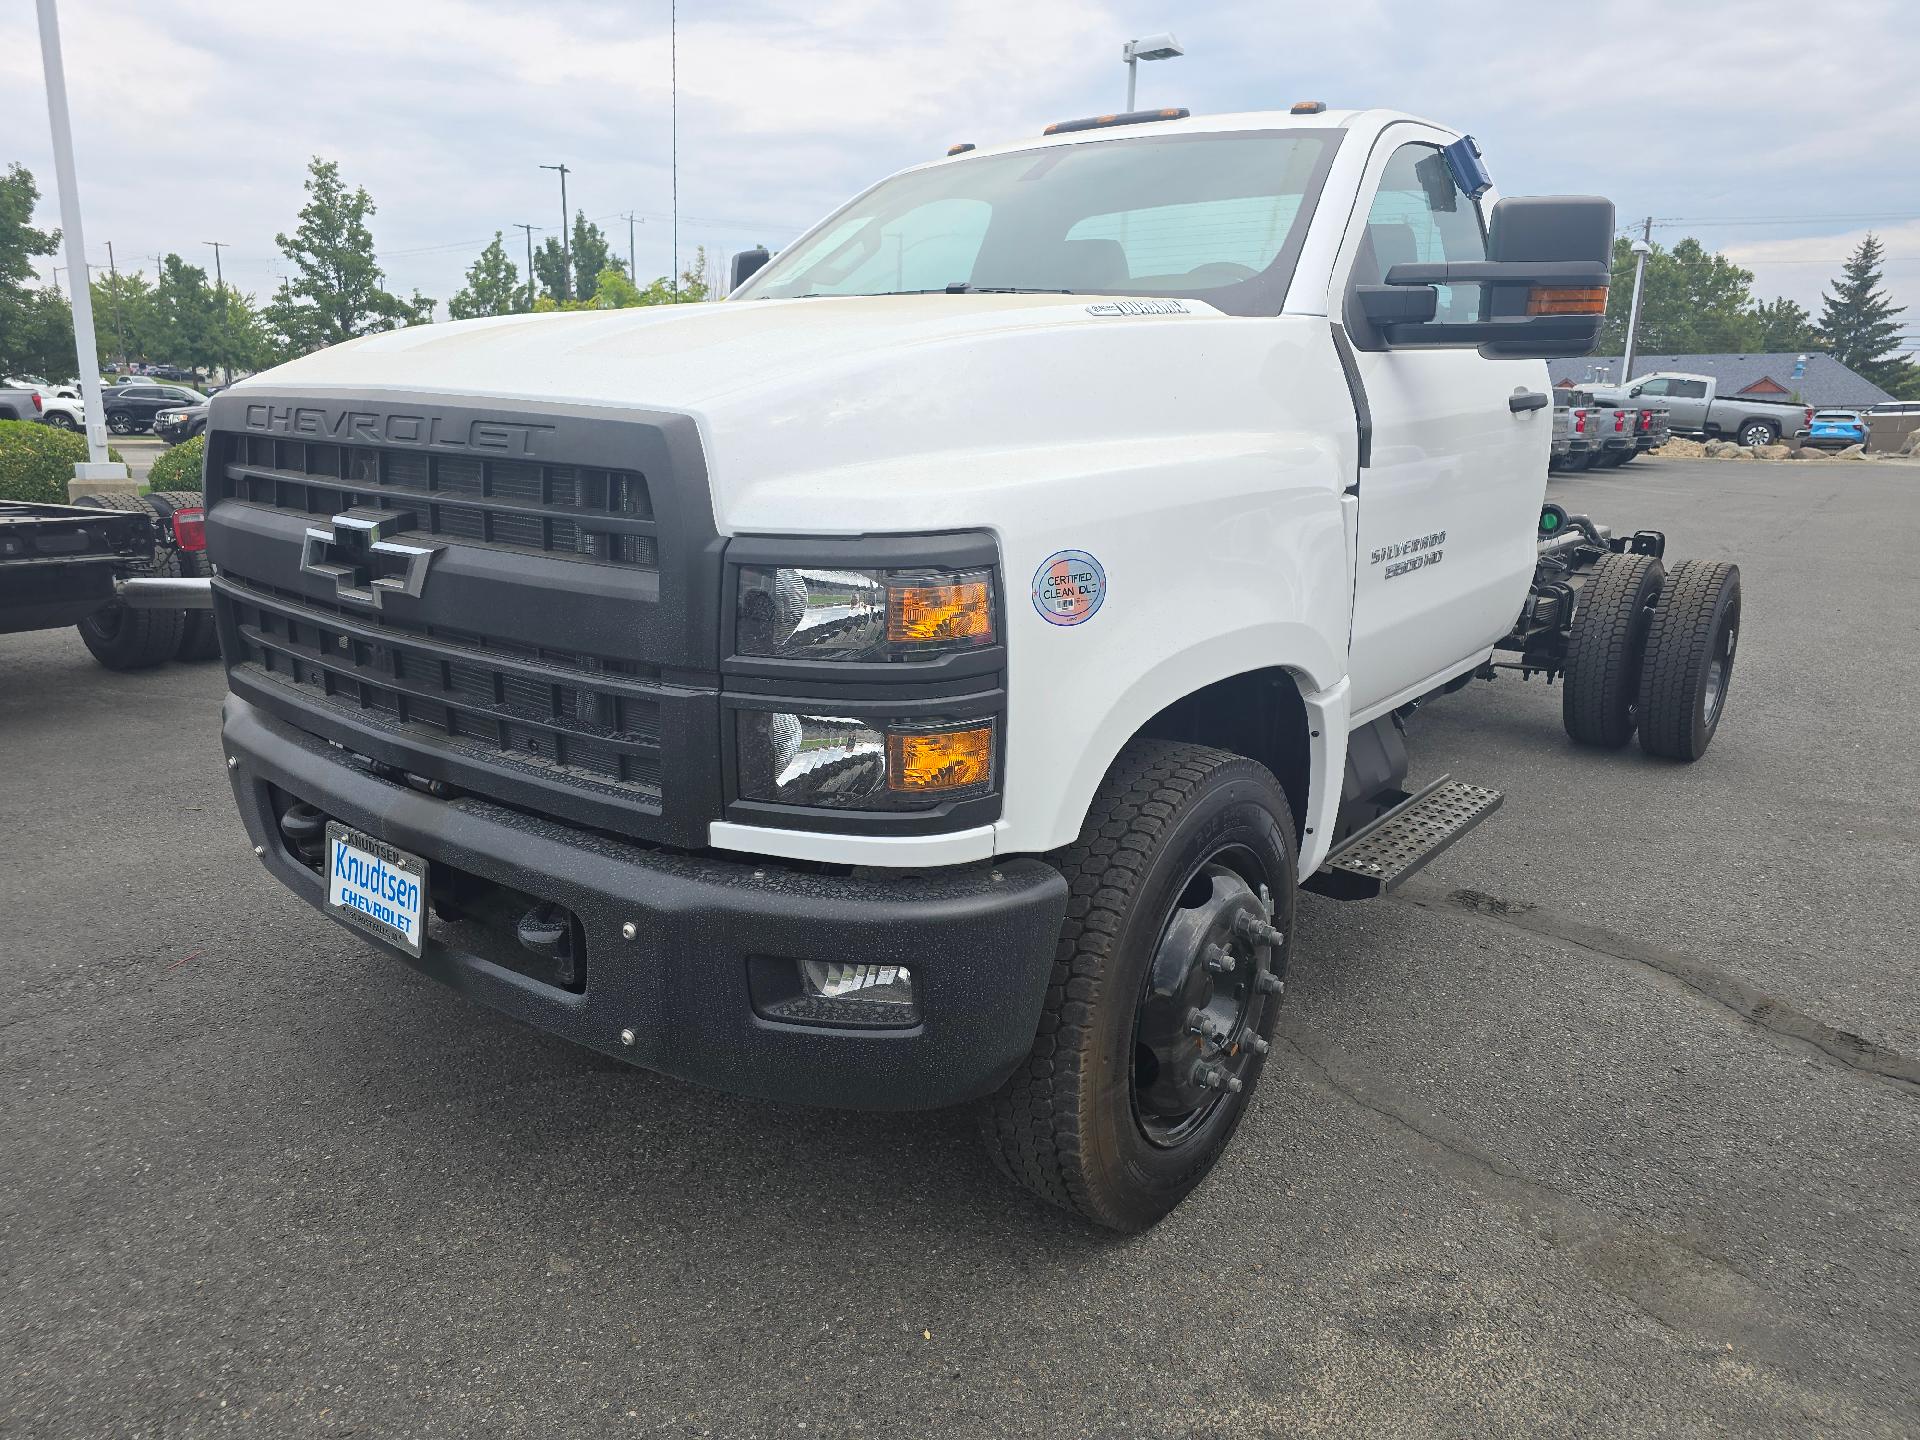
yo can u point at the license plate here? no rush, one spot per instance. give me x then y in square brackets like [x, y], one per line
[371, 884]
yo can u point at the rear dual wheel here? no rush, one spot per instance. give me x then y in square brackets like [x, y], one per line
[1689, 661]
[1166, 984]
[1600, 691]
[120, 637]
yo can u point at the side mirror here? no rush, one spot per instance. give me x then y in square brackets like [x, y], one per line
[1387, 305]
[1634, 393]
[747, 263]
[1543, 285]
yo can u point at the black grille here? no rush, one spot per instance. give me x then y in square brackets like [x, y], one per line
[585, 512]
[555, 710]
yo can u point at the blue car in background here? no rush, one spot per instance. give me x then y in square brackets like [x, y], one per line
[1837, 428]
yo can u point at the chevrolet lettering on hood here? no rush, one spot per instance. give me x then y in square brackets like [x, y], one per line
[373, 427]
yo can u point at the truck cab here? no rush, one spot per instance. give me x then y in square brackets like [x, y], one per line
[930, 674]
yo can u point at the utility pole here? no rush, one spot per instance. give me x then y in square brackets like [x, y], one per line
[220, 285]
[519, 225]
[1642, 248]
[119, 330]
[566, 245]
[673, 62]
[97, 470]
[633, 269]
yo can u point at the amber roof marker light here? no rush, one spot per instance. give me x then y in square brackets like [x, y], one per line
[1102, 122]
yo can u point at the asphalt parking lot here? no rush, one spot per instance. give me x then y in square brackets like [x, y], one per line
[1608, 1124]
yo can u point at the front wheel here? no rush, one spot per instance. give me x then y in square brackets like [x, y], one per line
[1166, 983]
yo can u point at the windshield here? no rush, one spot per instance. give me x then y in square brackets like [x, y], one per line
[1216, 217]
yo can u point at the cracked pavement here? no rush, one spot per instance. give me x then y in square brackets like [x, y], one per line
[1608, 1123]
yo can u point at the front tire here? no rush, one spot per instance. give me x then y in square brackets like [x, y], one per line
[1166, 983]
[1758, 432]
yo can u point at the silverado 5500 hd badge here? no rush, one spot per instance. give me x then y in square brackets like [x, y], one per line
[1422, 551]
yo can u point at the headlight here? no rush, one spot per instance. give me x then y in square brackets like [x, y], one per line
[851, 764]
[167, 417]
[818, 613]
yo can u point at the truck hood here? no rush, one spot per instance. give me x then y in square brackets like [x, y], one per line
[848, 409]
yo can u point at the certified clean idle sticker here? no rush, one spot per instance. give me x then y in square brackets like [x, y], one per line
[1068, 587]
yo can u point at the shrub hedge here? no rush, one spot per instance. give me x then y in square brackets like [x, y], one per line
[179, 468]
[36, 461]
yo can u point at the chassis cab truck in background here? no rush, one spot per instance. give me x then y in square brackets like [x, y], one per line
[929, 675]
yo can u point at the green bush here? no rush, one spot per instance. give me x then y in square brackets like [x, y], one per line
[178, 468]
[36, 461]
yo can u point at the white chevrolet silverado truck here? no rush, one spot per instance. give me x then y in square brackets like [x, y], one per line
[929, 675]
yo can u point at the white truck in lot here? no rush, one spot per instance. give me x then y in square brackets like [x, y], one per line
[930, 675]
[1695, 406]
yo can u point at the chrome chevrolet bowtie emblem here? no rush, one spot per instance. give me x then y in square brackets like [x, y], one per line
[364, 565]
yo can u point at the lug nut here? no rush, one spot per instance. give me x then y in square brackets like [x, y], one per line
[1258, 1045]
[1271, 983]
[1218, 960]
[1234, 1084]
[1207, 1077]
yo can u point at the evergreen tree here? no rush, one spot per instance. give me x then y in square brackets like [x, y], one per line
[1860, 322]
[337, 291]
[492, 288]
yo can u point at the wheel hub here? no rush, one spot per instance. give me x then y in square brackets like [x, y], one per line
[1217, 974]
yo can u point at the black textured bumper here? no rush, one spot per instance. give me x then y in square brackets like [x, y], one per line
[980, 940]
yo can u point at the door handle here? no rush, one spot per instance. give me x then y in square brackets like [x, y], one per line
[1522, 401]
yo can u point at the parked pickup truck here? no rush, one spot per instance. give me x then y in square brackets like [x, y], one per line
[1574, 444]
[1694, 407]
[19, 404]
[931, 674]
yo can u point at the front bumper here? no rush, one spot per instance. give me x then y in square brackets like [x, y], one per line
[979, 939]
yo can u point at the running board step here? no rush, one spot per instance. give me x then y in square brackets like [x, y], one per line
[1378, 856]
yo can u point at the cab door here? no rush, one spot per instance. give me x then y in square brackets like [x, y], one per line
[1449, 502]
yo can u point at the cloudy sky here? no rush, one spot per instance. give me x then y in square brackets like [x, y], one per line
[1774, 130]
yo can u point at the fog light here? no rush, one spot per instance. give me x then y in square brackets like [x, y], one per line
[882, 984]
[834, 993]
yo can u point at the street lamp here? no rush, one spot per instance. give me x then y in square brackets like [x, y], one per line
[1154, 47]
[1641, 249]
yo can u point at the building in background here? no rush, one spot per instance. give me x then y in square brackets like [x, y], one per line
[1808, 376]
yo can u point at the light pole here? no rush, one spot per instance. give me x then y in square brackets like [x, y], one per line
[98, 471]
[1642, 248]
[522, 225]
[566, 247]
[220, 287]
[1154, 47]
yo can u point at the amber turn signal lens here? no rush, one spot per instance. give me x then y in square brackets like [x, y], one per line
[928, 762]
[919, 613]
[1567, 300]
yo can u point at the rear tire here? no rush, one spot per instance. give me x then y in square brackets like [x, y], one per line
[1758, 432]
[1169, 865]
[125, 639]
[1600, 693]
[200, 638]
[1689, 665]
